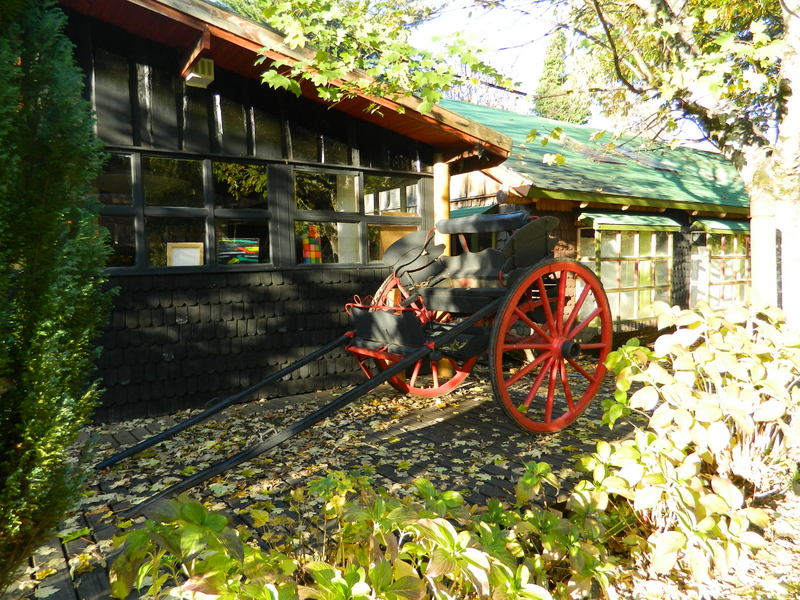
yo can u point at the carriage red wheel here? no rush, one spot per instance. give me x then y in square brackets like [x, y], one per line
[546, 358]
[428, 377]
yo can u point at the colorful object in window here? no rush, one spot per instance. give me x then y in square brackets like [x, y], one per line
[232, 251]
[312, 251]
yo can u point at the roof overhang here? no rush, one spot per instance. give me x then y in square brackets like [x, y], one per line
[197, 29]
[533, 192]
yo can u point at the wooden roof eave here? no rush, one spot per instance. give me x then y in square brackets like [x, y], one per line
[236, 43]
[533, 192]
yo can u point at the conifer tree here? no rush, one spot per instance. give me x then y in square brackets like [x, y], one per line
[556, 97]
[51, 264]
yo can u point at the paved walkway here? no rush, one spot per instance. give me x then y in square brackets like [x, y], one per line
[463, 442]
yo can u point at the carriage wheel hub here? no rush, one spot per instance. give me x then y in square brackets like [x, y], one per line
[570, 349]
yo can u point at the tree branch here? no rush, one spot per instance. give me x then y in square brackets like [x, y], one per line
[613, 48]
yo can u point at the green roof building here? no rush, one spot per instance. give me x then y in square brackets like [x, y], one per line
[656, 223]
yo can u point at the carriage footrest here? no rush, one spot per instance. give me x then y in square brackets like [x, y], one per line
[477, 345]
[389, 327]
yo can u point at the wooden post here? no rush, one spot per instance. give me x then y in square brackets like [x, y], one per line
[441, 197]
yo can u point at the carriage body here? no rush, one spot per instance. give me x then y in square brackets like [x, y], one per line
[545, 324]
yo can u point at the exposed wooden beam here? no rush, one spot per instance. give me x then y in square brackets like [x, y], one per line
[203, 43]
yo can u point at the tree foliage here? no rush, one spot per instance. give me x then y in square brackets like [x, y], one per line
[730, 67]
[557, 96]
[51, 259]
[360, 47]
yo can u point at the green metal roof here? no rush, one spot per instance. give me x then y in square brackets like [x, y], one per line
[470, 211]
[625, 221]
[671, 178]
[721, 225]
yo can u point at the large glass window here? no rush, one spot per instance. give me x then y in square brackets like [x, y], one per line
[163, 212]
[172, 182]
[324, 242]
[175, 241]
[720, 269]
[635, 268]
[326, 191]
[387, 195]
[113, 186]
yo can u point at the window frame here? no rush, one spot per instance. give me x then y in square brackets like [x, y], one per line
[596, 260]
[279, 217]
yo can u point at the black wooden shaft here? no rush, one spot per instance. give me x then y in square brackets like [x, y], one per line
[222, 404]
[318, 415]
[282, 436]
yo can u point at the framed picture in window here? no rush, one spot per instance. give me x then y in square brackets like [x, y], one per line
[184, 254]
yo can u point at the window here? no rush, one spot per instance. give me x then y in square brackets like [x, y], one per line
[178, 224]
[165, 212]
[720, 268]
[635, 268]
[172, 182]
[386, 195]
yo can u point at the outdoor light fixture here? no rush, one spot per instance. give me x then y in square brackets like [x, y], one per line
[201, 73]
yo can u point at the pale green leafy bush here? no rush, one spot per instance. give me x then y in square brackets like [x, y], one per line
[718, 403]
[722, 398]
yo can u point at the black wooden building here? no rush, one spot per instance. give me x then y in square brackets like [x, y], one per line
[242, 218]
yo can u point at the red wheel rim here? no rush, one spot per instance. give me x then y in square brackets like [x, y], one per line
[546, 358]
[428, 377]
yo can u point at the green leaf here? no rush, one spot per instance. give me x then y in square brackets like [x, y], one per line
[380, 575]
[645, 398]
[647, 497]
[192, 540]
[193, 512]
[665, 547]
[405, 588]
[728, 491]
[771, 410]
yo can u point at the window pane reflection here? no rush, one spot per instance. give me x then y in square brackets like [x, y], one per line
[239, 186]
[122, 240]
[322, 243]
[171, 182]
[113, 185]
[326, 191]
[385, 195]
[242, 242]
[173, 241]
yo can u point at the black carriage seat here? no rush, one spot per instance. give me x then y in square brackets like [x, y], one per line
[483, 223]
[530, 244]
[414, 255]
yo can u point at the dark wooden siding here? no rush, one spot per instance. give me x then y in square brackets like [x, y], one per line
[176, 342]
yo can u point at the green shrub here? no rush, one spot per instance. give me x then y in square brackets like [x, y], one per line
[51, 260]
[721, 414]
[722, 398]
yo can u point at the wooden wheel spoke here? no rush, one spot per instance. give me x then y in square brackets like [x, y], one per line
[415, 373]
[538, 381]
[525, 319]
[551, 391]
[548, 311]
[580, 370]
[435, 373]
[566, 386]
[525, 346]
[583, 324]
[562, 294]
[526, 369]
[577, 308]
[596, 346]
